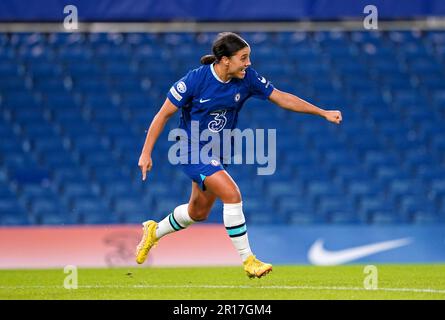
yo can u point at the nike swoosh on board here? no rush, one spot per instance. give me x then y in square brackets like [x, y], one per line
[318, 255]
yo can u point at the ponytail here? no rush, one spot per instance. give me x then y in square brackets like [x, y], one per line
[208, 59]
[226, 44]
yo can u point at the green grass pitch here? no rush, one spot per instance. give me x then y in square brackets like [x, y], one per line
[227, 283]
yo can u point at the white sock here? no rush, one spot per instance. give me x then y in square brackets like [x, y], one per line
[177, 220]
[236, 228]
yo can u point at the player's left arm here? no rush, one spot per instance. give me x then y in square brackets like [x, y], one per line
[293, 103]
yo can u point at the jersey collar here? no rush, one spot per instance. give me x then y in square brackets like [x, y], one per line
[216, 76]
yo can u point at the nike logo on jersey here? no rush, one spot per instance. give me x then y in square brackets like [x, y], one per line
[202, 100]
[262, 79]
[318, 255]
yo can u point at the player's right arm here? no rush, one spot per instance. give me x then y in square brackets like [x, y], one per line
[167, 110]
[178, 96]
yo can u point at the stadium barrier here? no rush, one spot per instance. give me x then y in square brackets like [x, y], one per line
[207, 245]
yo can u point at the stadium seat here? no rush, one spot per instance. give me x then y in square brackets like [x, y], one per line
[74, 110]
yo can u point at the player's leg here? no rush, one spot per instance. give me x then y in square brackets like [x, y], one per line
[183, 216]
[198, 209]
[200, 203]
[224, 187]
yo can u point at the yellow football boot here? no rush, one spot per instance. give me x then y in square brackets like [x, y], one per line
[148, 241]
[255, 268]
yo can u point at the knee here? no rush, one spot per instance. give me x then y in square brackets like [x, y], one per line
[234, 196]
[199, 214]
[198, 211]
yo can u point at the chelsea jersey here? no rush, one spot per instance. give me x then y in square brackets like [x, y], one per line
[211, 104]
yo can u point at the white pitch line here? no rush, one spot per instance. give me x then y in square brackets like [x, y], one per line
[148, 286]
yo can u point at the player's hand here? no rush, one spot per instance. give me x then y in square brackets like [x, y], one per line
[145, 164]
[333, 116]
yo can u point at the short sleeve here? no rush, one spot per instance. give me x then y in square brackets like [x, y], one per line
[181, 92]
[259, 86]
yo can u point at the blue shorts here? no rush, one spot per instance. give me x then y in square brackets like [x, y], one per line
[198, 172]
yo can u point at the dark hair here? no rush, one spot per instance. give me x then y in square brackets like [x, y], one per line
[225, 44]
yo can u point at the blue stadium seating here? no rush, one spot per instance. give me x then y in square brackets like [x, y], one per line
[74, 110]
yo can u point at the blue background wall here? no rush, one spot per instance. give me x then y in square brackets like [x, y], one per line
[222, 10]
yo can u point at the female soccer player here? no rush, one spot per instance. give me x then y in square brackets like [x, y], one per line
[211, 97]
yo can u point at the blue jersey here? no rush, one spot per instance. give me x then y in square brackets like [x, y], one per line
[203, 97]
